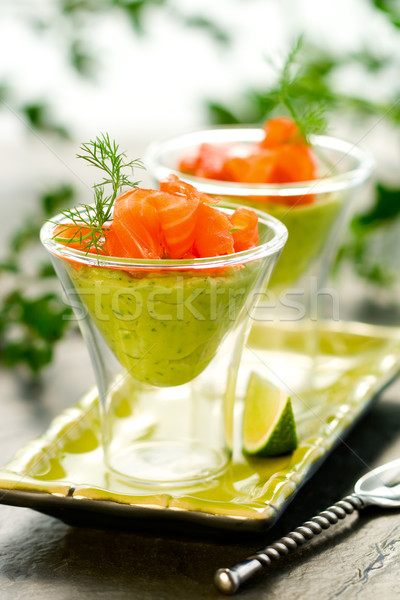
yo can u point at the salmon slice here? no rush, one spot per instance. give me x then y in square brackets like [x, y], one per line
[295, 163]
[281, 130]
[174, 222]
[282, 156]
[212, 235]
[177, 207]
[255, 168]
[113, 245]
[173, 185]
[245, 229]
[137, 224]
[209, 163]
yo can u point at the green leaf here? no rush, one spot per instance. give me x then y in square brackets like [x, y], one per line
[35, 354]
[47, 316]
[50, 201]
[57, 197]
[29, 327]
[71, 6]
[82, 60]
[39, 117]
[38, 355]
[4, 91]
[28, 232]
[385, 208]
[9, 265]
[217, 33]
[372, 62]
[220, 115]
[45, 270]
[390, 8]
[372, 226]
[136, 9]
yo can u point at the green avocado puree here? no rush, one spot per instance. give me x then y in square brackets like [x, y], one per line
[309, 226]
[163, 328]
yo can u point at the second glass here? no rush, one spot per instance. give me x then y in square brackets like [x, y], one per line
[284, 334]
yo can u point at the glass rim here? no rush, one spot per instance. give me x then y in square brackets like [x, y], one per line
[273, 246]
[245, 134]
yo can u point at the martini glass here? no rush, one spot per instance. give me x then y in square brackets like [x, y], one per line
[285, 333]
[165, 338]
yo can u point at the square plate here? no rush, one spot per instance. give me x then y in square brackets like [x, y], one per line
[62, 473]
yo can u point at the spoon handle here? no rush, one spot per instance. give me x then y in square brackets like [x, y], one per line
[228, 581]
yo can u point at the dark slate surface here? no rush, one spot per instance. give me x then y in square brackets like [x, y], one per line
[42, 558]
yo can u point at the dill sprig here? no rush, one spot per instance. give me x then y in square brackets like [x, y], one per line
[309, 120]
[90, 219]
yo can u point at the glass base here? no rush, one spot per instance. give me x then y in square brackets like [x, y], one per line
[167, 463]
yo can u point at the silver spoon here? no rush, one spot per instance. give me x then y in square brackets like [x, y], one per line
[380, 487]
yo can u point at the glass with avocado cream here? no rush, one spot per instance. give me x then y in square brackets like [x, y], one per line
[165, 338]
[313, 212]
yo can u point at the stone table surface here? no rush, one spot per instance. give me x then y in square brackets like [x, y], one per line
[43, 558]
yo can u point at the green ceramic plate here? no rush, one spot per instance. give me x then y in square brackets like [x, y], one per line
[61, 473]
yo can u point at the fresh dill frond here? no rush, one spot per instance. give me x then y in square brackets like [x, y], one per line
[90, 220]
[309, 117]
[289, 70]
[314, 119]
[309, 120]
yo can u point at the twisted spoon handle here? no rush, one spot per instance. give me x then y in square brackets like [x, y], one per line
[228, 581]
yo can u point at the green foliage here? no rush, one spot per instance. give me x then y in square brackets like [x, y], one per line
[55, 198]
[39, 117]
[220, 114]
[135, 10]
[296, 92]
[309, 117]
[391, 10]
[386, 207]
[216, 32]
[360, 251]
[50, 201]
[3, 91]
[82, 59]
[31, 322]
[303, 90]
[29, 327]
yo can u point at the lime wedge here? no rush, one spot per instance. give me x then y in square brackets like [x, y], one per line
[269, 428]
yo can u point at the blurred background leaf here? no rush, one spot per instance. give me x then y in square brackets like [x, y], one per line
[390, 8]
[31, 322]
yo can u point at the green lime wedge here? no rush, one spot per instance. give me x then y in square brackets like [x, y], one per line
[269, 428]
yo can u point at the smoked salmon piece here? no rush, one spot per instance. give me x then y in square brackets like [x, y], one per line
[244, 228]
[294, 163]
[177, 208]
[213, 235]
[113, 246]
[281, 130]
[209, 162]
[137, 223]
[175, 222]
[255, 168]
[282, 156]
